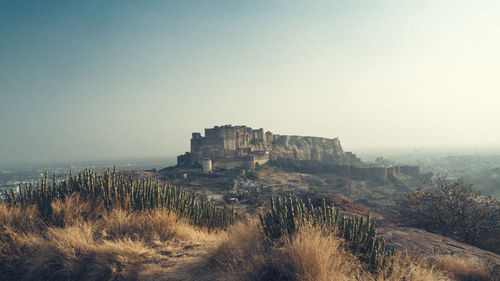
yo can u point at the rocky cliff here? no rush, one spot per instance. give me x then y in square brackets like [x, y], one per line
[304, 148]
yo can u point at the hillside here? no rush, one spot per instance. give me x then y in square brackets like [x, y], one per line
[92, 244]
[375, 194]
[114, 227]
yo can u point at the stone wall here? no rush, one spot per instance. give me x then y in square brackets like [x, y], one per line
[410, 170]
[315, 166]
[369, 173]
[232, 163]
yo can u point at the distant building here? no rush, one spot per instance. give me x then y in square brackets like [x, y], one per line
[240, 146]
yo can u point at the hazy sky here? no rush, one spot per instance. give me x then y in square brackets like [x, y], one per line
[108, 79]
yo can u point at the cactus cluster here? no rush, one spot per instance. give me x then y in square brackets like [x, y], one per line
[119, 191]
[289, 212]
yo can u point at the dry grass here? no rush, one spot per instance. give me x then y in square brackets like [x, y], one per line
[240, 255]
[310, 255]
[21, 220]
[82, 241]
[406, 267]
[119, 224]
[75, 210]
[150, 226]
[465, 269]
[72, 253]
[14, 223]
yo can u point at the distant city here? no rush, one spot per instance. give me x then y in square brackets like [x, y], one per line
[13, 175]
[480, 167]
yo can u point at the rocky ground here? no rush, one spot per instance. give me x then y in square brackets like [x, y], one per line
[419, 241]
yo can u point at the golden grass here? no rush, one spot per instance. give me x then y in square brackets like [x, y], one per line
[311, 255]
[240, 255]
[18, 219]
[83, 241]
[465, 268]
[75, 210]
[158, 225]
[72, 253]
[406, 267]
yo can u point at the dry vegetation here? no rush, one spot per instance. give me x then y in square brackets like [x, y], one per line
[310, 255]
[109, 227]
[84, 241]
[464, 269]
[456, 210]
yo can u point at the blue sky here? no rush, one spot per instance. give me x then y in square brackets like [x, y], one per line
[113, 79]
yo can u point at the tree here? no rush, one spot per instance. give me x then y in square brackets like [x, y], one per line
[456, 210]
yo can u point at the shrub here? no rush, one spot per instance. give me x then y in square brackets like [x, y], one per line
[456, 210]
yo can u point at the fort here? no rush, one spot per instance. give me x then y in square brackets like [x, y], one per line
[229, 147]
[240, 146]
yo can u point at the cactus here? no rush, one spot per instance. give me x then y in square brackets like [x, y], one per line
[119, 191]
[289, 212]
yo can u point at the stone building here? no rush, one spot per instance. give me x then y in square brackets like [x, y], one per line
[240, 146]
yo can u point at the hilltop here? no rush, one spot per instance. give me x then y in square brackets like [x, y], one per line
[117, 235]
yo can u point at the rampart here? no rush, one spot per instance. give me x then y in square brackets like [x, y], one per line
[314, 166]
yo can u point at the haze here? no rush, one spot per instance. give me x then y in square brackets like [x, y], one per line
[113, 79]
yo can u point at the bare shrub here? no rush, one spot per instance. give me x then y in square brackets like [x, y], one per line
[454, 209]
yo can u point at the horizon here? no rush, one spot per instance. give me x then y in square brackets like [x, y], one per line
[367, 154]
[93, 81]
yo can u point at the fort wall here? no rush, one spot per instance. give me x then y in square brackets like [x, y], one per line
[369, 173]
[314, 166]
[409, 170]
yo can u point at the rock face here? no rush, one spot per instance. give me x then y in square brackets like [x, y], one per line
[419, 241]
[240, 146]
